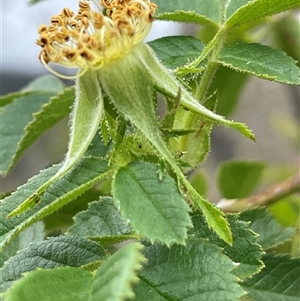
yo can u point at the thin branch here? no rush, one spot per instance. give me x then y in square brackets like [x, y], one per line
[264, 198]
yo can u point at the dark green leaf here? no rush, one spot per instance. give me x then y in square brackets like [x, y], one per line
[151, 201]
[245, 252]
[197, 271]
[237, 179]
[20, 110]
[177, 51]
[271, 234]
[101, 219]
[261, 61]
[49, 254]
[278, 281]
[50, 114]
[259, 9]
[87, 173]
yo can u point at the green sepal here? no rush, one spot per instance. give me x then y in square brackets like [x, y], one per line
[165, 83]
[85, 120]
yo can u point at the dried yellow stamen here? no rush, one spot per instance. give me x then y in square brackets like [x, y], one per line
[90, 39]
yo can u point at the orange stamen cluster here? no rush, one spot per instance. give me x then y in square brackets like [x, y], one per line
[91, 39]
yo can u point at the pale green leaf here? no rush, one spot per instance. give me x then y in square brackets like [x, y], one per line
[12, 132]
[278, 281]
[60, 284]
[50, 114]
[261, 61]
[100, 219]
[85, 119]
[32, 234]
[259, 9]
[237, 179]
[49, 254]
[197, 11]
[88, 172]
[45, 83]
[197, 271]
[245, 251]
[151, 202]
[271, 233]
[177, 51]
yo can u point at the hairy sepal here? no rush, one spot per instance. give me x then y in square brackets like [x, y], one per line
[84, 123]
[170, 87]
[129, 86]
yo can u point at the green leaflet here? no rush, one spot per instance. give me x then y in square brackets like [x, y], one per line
[278, 281]
[129, 84]
[152, 204]
[248, 259]
[51, 113]
[60, 284]
[215, 12]
[271, 233]
[198, 11]
[177, 51]
[262, 61]
[85, 120]
[12, 132]
[197, 271]
[49, 254]
[110, 282]
[100, 219]
[259, 9]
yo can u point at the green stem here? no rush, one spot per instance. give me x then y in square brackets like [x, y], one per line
[211, 69]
